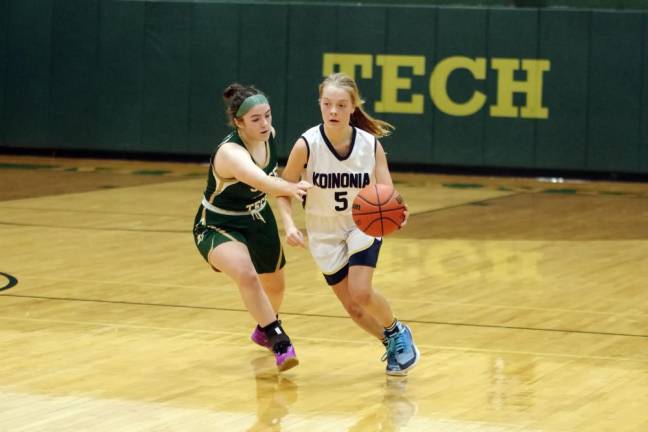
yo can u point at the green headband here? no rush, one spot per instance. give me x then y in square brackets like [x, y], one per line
[249, 103]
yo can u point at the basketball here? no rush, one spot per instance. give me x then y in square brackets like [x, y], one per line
[378, 210]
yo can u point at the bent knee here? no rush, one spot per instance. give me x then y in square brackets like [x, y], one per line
[247, 277]
[361, 296]
[354, 310]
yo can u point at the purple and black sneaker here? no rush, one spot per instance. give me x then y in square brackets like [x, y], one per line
[259, 338]
[287, 359]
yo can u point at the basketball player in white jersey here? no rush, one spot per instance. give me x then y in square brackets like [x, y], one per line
[341, 156]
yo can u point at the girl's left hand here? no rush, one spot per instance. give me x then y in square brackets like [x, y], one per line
[294, 237]
[406, 217]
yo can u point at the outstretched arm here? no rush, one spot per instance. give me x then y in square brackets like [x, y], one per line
[292, 173]
[232, 161]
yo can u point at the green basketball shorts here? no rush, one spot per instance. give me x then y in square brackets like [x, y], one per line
[260, 235]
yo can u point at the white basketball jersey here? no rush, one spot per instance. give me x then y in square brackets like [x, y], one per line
[337, 179]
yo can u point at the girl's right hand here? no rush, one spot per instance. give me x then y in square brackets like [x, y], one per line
[300, 189]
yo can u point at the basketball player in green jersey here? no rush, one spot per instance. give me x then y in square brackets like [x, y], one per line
[235, 229]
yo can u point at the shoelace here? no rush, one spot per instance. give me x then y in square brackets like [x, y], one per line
[395, 344]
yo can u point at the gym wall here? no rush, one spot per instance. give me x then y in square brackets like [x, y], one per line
[487, 86]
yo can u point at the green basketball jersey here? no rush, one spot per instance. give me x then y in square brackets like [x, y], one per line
[231, 194]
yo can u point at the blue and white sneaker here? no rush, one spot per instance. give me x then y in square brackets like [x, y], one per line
[402, 354]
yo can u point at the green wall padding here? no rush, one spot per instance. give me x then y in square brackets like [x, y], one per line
[510, 141]
[74, 73]
[218, 67]
[148, 76]
[27, 84]
[461, 33]
[4, 62]
[121, 75]
[167, 71]
[562, 142]
[579, 4]
[643, 149]
[310, 29]
[412, 141]
[614, 91]
[263, 49]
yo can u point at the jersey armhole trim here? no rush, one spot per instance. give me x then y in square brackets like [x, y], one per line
[307, 150]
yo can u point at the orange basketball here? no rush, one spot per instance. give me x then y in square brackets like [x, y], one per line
[378, 210]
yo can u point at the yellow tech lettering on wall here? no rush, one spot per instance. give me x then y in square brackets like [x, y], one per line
[392, 83]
